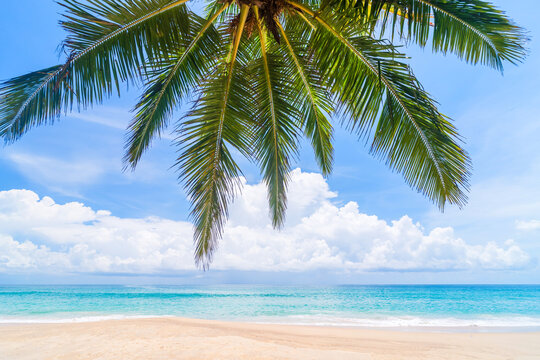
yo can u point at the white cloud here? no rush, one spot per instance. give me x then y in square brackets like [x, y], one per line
[528, 225]
[40, 235]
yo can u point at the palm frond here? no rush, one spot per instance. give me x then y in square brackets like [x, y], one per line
[170, 80]
[278, 124]
[474, 30]
[219, 118]
[374, 88]
[34, 97]
[312, 98]
[108, 42]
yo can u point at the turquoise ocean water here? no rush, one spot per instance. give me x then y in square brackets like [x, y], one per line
[471, 307]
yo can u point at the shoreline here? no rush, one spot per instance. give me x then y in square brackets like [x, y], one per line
[436, 326]
[182, 338]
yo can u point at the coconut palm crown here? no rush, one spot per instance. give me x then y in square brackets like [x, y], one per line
[261, 74]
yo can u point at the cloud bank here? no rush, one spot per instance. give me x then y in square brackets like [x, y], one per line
[39, 235]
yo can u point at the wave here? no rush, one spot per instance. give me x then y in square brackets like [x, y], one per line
[390, 322]
[407, 321]
[77, 319]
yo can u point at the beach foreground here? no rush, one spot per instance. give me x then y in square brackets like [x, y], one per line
[177, 338]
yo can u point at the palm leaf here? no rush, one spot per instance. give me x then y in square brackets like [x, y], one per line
[29, 100]
[108, 42]
[207, 168]
[278, 123]
[312, 98]
[374, 88]
[474, 30]
[169, 81]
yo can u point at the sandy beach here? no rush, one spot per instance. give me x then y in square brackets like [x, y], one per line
[177, 338]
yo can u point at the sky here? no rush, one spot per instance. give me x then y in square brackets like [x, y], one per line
[69, 214]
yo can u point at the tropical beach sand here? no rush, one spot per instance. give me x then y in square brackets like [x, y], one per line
[177, 338]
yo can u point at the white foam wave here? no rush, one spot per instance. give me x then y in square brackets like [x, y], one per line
[408, 321]
[394, 322]
[66, 319]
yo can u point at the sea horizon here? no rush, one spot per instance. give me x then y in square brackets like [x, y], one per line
[435, 307]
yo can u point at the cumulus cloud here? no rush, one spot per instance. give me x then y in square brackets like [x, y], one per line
[41, 235]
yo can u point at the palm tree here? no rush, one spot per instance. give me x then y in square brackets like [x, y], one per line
[263, 74]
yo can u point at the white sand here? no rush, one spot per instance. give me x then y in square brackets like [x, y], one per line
[176, 338]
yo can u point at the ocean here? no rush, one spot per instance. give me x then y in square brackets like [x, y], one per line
[454, 307]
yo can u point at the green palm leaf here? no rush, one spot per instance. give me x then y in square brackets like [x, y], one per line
[169, 81]
[374, 88]
[108, 42]
[474, 30]
[278, 124]
[312, 98]
[30, 100]
[219, 119]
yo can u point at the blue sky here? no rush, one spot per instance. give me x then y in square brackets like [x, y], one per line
[398, 236]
